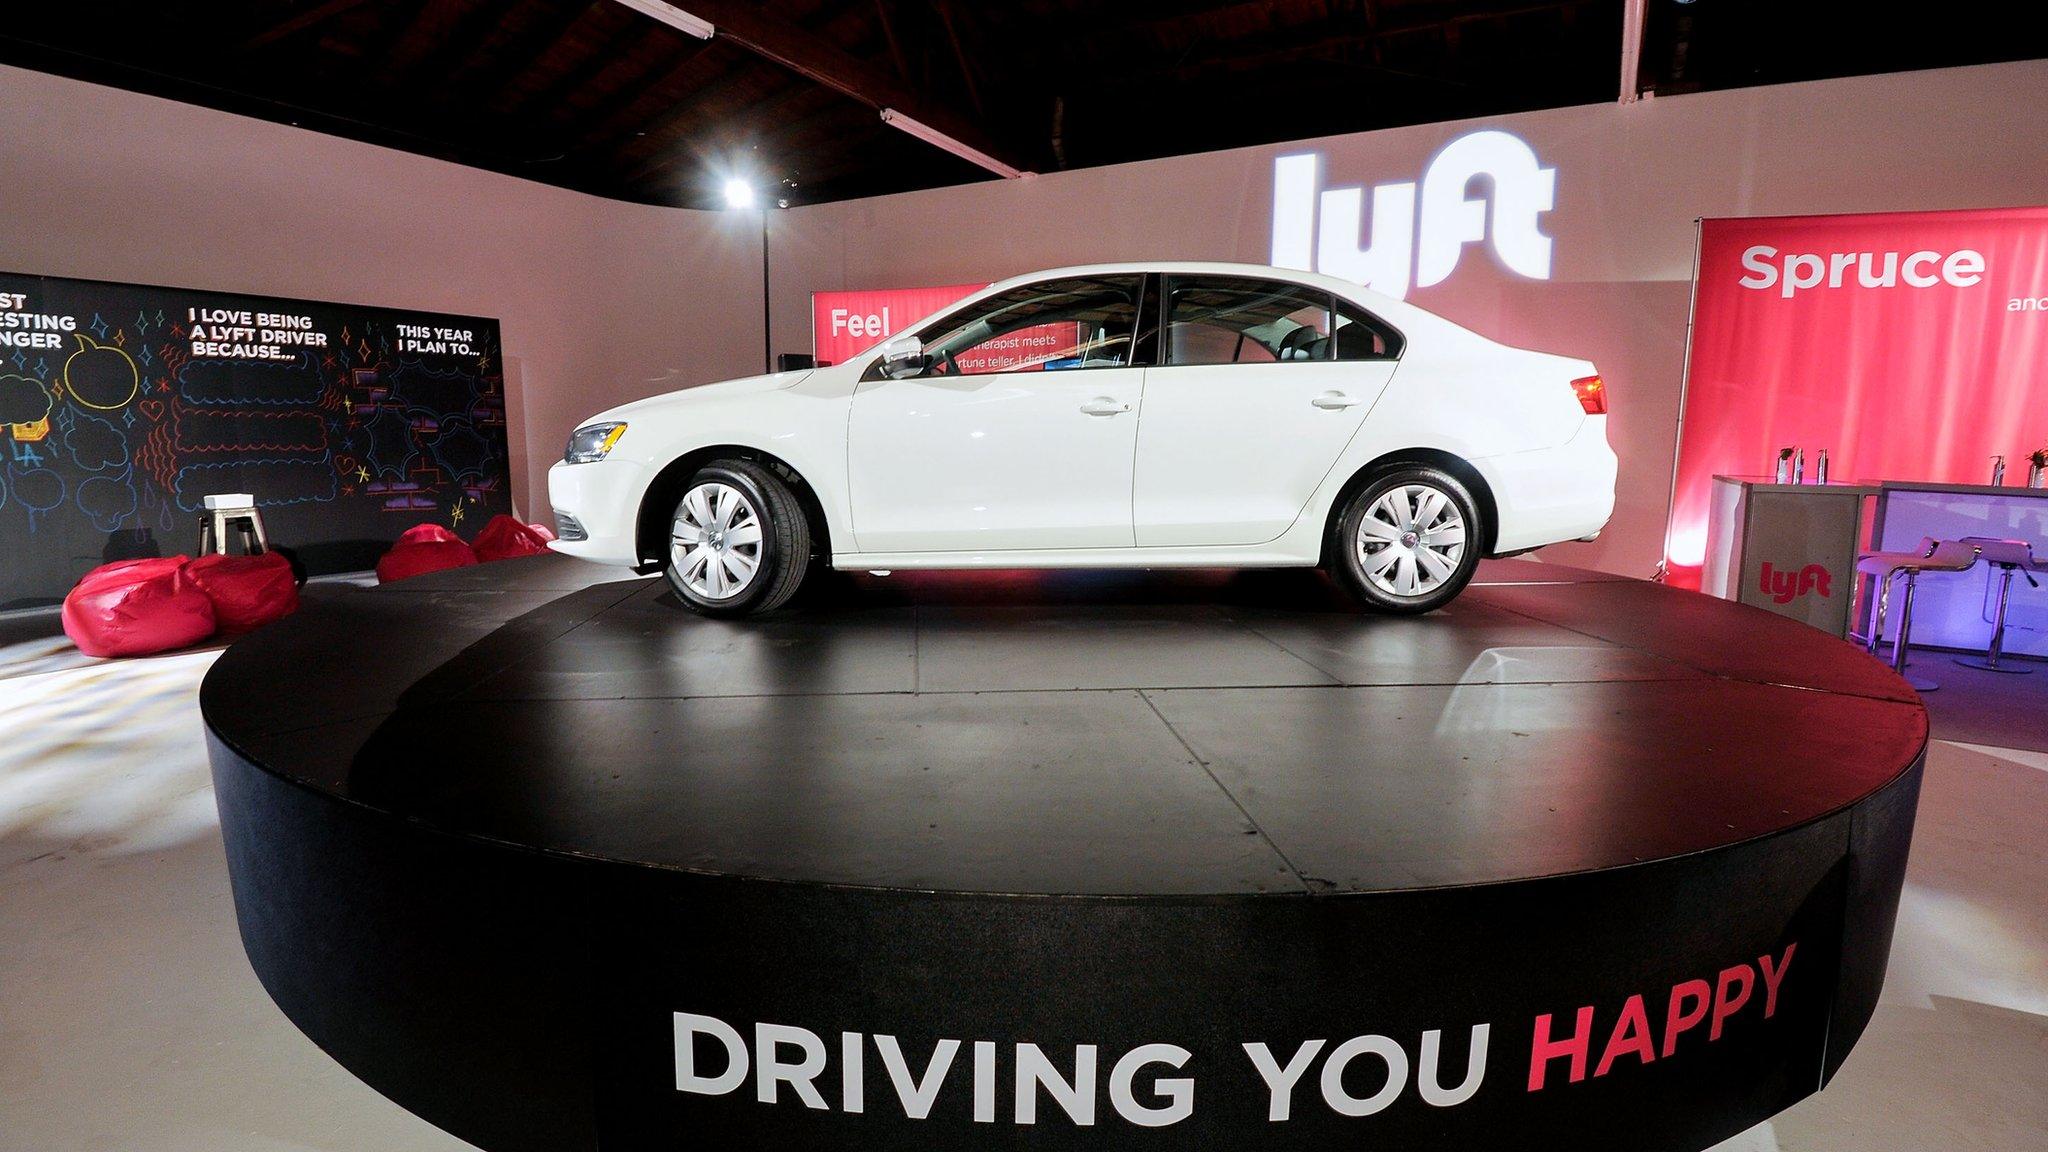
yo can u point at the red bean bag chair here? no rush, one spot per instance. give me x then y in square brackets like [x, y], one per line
[136, 607]
[246, 591]
[424, 548]
[504, 538]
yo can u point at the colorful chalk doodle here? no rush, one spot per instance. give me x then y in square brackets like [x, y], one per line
[122, 407]
[100, 376]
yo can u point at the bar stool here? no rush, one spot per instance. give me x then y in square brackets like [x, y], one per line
[2013, 556]
[1882, 566]
[231, 512]
[1932, 556]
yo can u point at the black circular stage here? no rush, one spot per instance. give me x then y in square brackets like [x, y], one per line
[1067, 861]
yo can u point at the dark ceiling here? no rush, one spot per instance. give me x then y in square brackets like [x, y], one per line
[592, 95]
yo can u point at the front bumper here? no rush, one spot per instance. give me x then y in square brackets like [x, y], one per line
[604, 497]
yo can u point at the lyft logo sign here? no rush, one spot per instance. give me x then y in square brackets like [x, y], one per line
[1785, 587]
[1319, 229]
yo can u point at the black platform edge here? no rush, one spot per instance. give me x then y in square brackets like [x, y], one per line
[523, 1000]
[533, 999]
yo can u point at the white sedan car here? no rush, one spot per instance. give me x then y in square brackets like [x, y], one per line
[1110, 416]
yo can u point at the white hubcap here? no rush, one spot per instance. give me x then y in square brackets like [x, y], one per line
[715, 542]
[1411, 540]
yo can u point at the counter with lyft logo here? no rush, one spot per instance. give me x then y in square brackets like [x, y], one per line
[1792, 549]
[1786, 548]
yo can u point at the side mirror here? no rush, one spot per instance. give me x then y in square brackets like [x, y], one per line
[902, 356]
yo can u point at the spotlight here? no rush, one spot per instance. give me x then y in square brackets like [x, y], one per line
[739, 194]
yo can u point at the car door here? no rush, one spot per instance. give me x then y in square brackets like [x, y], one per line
[1260, 386]
[1016, 430]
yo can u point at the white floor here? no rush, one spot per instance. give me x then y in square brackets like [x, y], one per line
[130, 1020]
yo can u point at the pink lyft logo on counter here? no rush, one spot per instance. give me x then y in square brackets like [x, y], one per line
[1785, 587]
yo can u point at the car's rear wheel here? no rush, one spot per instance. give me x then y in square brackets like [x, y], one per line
[1409, 539]
[738, 540]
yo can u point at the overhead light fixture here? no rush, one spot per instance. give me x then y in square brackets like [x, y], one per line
[672, 16]
[739, 194]
[938, 139]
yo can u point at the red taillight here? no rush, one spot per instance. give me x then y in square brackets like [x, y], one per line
[1592, 394]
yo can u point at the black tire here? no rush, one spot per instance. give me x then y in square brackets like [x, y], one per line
[784, 554]
[1354, 563]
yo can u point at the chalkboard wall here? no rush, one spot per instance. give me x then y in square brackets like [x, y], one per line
[122, 406]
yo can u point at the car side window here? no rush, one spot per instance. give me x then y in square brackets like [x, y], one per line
[1239, 320]
[1073, 323]
[1244, 320]
[1360, 335]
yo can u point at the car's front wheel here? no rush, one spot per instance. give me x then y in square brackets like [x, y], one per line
[738, 541]
[1409, 540]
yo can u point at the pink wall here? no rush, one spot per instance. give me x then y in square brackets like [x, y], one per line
[603, 302]
[600, 301]
[1630, 182]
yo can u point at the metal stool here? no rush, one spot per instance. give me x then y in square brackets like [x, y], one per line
[2013, 556]
[1933, 556]
[231, 512]
[1883, 566]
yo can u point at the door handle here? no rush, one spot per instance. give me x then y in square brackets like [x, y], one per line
[1335, 401]
[1104, 406]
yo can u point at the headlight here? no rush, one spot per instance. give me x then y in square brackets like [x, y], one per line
[590, 442]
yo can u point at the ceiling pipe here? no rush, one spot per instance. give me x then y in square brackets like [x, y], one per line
[1632, 15]
[673, 16]
[938, 139]
[821, 62]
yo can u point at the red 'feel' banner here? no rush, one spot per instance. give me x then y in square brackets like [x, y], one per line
[1910, 345]
[846, 324]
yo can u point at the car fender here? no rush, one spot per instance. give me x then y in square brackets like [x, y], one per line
[804, 427]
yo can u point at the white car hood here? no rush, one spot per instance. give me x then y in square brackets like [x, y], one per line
[744, 386]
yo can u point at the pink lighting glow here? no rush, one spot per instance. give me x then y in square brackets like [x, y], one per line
[1911, 345]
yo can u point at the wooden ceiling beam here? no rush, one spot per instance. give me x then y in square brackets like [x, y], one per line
[414, 34]
[528, 48]
[694, 55]
[1365, 48]
[708, 102]
[709, 109]
[817, 142]
[711, 106]
[815, 135]
[579, 75]
[474, 38]
[889, 38]
[317, 14]
[960, 56]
